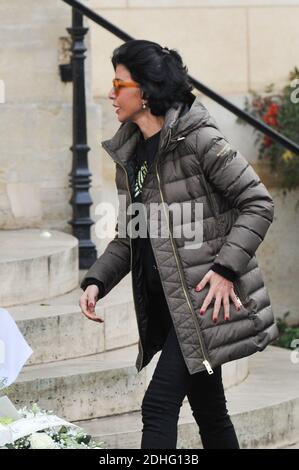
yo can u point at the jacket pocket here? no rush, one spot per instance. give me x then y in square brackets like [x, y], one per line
[214, 208]
[249, 305]
[208, 193]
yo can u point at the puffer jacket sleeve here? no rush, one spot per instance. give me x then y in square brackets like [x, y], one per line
[112, 265]
[231, 175]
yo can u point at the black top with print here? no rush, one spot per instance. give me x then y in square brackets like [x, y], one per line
[146, 153]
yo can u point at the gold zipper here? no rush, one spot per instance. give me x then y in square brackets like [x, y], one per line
[205, 362]
[131, 265]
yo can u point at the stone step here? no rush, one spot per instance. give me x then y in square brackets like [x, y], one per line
[264, 409]
[291, 445]
[65, 333]
[92, 386]
[36, 264]
[56, 329]
[95, 386]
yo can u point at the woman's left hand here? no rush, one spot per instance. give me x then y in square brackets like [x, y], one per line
[220, 288]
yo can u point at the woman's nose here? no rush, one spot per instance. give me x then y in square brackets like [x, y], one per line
[111, 94]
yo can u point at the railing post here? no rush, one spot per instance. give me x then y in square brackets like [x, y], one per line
[80, 177]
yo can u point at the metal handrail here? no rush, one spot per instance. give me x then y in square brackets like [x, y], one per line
[259, 125]
[80, 176]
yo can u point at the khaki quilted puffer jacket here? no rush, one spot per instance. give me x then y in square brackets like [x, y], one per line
[195, 163]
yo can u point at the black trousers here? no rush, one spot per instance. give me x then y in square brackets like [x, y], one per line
[170, 383]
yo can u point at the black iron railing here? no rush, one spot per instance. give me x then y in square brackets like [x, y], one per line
[80, 176]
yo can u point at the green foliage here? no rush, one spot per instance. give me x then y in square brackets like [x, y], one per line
[288, 333]
[4, 420]
[281, 112]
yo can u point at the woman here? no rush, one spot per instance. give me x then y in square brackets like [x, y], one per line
[203, 306]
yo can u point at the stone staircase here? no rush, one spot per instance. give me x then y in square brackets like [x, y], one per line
[85, 371]
[36, 264]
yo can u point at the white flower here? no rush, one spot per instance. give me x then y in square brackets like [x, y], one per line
[55, 437]
[41, 440]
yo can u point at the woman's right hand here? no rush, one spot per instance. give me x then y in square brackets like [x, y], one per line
[88, 301]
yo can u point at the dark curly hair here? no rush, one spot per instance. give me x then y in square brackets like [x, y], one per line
[160, 72]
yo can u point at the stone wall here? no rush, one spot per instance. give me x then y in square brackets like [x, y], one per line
[36, 117]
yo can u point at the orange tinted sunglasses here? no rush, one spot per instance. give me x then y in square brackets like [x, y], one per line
[118, 84]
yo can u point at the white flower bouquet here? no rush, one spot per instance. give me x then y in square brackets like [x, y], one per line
[40, 429]
[29, 428]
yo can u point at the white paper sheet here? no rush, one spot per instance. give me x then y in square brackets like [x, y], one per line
[24, 426]
[14, 350]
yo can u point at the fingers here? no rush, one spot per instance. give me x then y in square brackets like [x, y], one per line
[235, 299]
[206, 302]
[216, 309]
[87, 307]
[203, 282]
[220, 298]
[226, 307]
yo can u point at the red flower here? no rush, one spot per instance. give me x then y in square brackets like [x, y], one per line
[273, 109]
[267, 141]
[270, 117]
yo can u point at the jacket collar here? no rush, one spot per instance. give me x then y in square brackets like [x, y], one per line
[180, 120]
